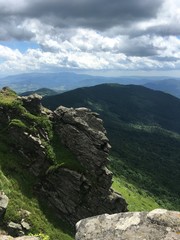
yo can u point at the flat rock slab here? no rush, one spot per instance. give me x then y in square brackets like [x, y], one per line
[159, 224]
[6, 237]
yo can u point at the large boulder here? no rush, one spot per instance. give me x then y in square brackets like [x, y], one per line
[159, 224]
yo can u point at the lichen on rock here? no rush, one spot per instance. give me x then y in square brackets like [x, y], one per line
[159, 224]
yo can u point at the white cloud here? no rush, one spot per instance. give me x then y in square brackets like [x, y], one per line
[143, 43]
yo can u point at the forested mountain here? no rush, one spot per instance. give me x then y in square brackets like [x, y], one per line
[171, 86]
[144, 130]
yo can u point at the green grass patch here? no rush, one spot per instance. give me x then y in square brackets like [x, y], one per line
[7, 97]
[18, 184]
[63, 156]
[137, 199]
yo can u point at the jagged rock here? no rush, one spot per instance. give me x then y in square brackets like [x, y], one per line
[77, 195]
[15, 229]
[32, 149]
[82, 131]
[26, 227]
[159, 224]
[74, 194]
[4, 200]
[32, 103]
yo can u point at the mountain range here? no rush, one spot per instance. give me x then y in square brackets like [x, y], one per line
[64, 81]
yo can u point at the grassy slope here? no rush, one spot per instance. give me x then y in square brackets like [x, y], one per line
[137, 198]
[18, 183]
[143, 127]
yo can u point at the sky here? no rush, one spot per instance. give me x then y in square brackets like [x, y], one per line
[101, 37]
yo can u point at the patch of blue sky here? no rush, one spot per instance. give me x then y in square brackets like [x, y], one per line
[22, 46]
[2, 60]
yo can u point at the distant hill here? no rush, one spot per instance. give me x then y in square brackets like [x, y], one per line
[171, 86]
[129, 103]
[144, 130]
[65, 81]
[41, 91]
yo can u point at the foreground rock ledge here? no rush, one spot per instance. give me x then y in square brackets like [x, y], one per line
[7, 237]
[159, 224]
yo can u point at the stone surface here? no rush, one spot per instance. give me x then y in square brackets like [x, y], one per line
[78, 195]
[159, 224]
[31, 148]
[32, 103]
[7, 237]
[82, 131]
[25, 225]
[74, 194]
[15, 229]
[4, 200]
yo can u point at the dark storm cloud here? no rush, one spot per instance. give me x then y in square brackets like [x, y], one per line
[11, 28]
[163, 30]
[140, 51]
[97, 14]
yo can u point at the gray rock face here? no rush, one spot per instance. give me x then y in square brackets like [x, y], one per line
[4, 200]
[78, 195]
[83, 133]
[15, 229]
[32, 103]
[74, 194]
[18, 229]
[31, 148]
[158, 224]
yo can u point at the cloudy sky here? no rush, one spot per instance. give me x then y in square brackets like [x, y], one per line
[113, 37]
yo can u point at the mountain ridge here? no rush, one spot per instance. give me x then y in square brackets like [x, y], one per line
[66, 81]
[143, 128]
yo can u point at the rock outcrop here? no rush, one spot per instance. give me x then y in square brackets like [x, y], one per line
[32, 103]
[4, 200]
[158, 224]
[73, 194]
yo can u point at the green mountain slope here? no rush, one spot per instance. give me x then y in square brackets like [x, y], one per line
[16, 181]
[143, 127]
